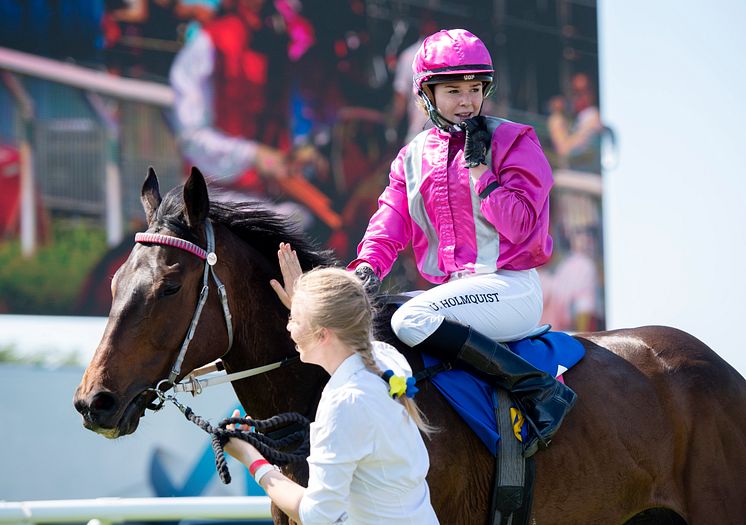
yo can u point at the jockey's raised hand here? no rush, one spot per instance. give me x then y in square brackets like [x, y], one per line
[478, 140]
[291, 271]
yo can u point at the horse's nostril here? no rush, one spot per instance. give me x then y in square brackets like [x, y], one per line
[102, 404]
[81, 406]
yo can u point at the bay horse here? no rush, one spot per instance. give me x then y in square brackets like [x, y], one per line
[658, 434]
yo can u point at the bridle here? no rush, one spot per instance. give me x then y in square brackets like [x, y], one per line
[192, 384]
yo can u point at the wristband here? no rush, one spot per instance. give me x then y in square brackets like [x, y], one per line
[256, 465]
[492, 186]
[263, 471]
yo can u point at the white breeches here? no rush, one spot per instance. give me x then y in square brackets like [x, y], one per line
[504, 306]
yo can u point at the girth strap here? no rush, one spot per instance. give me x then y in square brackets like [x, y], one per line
[512, 488]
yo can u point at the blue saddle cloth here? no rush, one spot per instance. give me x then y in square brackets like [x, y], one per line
[473, 399]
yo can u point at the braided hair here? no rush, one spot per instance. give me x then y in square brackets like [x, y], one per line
[341, 305]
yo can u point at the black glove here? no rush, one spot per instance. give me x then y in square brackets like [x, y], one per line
[371, 282]
[478, 139]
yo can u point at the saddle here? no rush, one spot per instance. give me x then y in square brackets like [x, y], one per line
[473, 398]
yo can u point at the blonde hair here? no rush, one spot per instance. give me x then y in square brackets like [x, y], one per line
[339, 303]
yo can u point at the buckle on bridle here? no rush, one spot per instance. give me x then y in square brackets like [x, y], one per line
[160, 393]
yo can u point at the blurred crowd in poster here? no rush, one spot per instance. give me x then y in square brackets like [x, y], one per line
[302, 104]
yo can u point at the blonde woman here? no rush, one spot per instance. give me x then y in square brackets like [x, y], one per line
[368, 461]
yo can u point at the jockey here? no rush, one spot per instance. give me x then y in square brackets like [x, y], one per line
[472, 196]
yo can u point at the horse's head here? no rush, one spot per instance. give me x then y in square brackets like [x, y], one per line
[155, 294]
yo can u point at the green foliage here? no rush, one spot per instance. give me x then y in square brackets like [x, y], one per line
[49, 281]
[9, 355]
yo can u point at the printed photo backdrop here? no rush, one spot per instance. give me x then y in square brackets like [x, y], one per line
[73, 154]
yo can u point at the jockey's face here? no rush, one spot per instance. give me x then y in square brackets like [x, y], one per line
[458, 101]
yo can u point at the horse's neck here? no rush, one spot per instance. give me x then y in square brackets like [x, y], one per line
[261, 338]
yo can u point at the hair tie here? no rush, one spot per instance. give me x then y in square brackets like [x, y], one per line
[400, 385]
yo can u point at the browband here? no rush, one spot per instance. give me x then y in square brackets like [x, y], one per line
[157, 238]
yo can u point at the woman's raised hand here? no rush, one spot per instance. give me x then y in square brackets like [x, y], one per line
[291, 271]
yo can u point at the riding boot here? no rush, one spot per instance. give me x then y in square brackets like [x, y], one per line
[543, 400]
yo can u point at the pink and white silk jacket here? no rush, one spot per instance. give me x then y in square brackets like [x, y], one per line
[432, 202]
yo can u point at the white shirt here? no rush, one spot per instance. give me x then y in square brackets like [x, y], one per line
[368, 462]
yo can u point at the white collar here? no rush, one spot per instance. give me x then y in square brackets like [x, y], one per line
[349, 367]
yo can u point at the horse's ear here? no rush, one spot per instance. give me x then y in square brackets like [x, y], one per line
[150, 195]
[196, 201]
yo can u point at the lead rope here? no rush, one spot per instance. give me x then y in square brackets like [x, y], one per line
[269, 447]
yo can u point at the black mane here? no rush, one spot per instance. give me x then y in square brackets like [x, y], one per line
[253, 222]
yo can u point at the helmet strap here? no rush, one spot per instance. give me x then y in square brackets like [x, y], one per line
[439, 120]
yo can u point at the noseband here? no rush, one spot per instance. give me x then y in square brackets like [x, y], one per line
[210, 259]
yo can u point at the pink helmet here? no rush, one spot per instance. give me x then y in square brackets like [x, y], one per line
[453, 54]
[450, 55]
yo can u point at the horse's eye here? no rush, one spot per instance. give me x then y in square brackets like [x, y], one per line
[170, 289]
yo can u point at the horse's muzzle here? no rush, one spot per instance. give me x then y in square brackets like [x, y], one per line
[102, 413]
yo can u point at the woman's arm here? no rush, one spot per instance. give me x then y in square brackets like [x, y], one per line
[284, 492]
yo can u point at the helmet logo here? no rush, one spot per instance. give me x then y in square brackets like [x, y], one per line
[468, 77]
